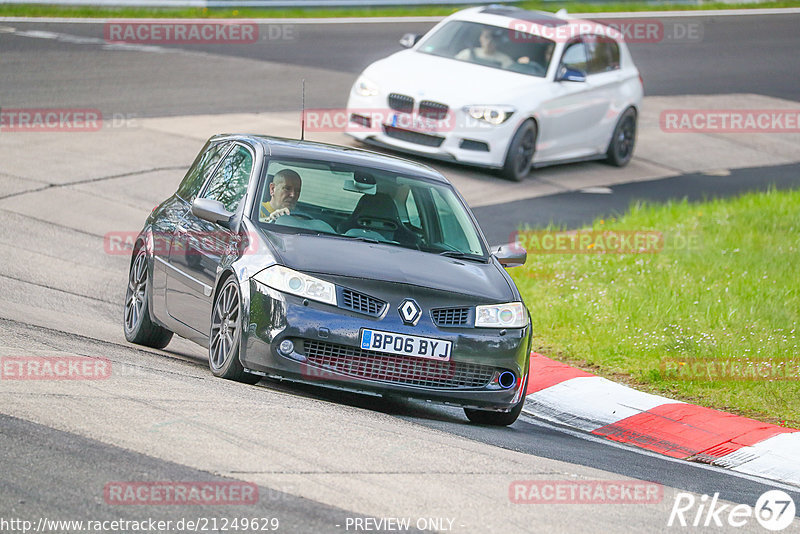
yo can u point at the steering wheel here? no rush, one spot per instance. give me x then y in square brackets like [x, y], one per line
[301, 216]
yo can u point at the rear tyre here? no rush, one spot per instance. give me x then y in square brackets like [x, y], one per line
[620, 149]
[519, 158]
[486, 417]
[226, 336]
[136, 321]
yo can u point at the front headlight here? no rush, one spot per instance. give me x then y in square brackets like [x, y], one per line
[284, 279]
[491, 114]
[510, 315]
[364, 87]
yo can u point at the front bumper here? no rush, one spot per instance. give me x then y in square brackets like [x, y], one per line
[326, 351]
[457, 137]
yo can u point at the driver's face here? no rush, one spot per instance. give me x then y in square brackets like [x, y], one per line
[487, 40]
[284, 192]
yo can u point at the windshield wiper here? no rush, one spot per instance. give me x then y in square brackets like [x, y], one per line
[462, 255]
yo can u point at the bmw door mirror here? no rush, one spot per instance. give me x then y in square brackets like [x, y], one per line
[211, 210]
[511, 255]
[409, 40]
[565, 74]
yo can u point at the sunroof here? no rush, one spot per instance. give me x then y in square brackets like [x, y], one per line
[538, 17]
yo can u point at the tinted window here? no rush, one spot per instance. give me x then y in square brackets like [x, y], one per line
[229, 184]
[603, 54]
[200, 171]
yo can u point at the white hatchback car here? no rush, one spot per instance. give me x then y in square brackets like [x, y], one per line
[503, 88]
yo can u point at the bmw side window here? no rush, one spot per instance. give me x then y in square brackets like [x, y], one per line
[229, 184]
[201, 170]
[575, 56]
[604, 54]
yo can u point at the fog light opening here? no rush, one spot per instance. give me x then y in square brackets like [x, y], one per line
[507, 379]
[286, 347]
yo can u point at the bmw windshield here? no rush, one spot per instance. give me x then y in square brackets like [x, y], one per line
[367, 204]
[491, 46]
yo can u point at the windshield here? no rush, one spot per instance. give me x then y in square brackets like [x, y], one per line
[491, 46]
[368, 204]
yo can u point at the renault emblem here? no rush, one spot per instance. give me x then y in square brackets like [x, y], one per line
[410, 312]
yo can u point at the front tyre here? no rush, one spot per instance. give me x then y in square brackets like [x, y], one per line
[620, 149]
[136, 322]
[486, 417]
[226, 335]
[519, 157]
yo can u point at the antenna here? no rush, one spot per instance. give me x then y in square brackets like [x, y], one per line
[303, 112]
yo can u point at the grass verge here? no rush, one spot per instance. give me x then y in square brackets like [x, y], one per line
[711, 318]
[37, 10]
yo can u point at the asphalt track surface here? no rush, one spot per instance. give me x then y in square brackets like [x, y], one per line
[61, 473]
[736, 54]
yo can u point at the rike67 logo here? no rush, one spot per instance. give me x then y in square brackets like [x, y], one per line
[774, 510]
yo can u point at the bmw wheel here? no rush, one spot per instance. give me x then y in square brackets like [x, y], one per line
[620, 150]
[519, 158]
[226, 335]
[138, 326]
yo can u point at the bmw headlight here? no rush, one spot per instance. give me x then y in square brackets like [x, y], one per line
[491, 114]
[287, 280]
[364, 87]
[510, 315]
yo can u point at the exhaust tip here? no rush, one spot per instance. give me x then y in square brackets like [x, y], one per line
[507, 379]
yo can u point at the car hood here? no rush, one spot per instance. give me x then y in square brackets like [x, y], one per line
[359, 259]
[450, 81]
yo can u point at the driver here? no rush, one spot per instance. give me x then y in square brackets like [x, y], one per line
[284, 192]
[487, 50]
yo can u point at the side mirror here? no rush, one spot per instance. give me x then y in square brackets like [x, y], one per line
[511, 255]
[211, 210]
[409, 40]
[570, 75]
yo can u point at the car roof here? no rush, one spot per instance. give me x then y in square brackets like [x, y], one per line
[503, 16]
[517, 13]
[282, 147]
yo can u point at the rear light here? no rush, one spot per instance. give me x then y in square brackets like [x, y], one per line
[641, 80]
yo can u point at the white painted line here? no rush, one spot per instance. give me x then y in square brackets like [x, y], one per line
[409, 20]
[596, 190]
[689, 13]
[332, 20]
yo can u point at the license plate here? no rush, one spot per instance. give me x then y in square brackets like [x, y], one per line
[419, 347]
[415, 122]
